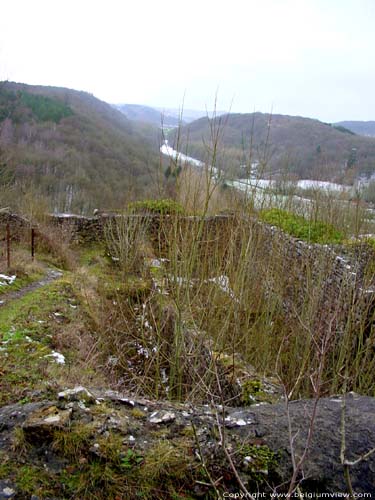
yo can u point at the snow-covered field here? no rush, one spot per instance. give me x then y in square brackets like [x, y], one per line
[253, 182]
[169, 151]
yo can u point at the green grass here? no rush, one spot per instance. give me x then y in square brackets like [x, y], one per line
[28, 326]
[20, 282]
[115, 471]
[301, 228]
[26, 313]
[91, 254]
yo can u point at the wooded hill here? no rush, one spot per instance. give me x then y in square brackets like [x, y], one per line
[360, 127]
[288, 144]
[169, 117]
[73, 148]
[147, 114]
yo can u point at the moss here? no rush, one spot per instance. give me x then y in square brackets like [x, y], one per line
[260, 461]
[33, 480]
[6, 466]
[359, 244]
[301, 228]
[137, 413]
[102, 409]
[251, 391]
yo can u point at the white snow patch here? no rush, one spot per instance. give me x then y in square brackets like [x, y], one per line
[7, 280]
[325, 185]
[58, 357]
[223, 283]
[169, 151]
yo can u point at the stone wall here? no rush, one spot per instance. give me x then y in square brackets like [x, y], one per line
[340, 275]
[19, 226]
[339, 265]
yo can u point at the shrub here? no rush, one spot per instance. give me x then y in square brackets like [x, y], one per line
[162, 207]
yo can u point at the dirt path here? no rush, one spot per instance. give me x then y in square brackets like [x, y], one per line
[51, 275]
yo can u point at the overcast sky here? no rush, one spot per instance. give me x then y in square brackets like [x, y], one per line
[311, 58]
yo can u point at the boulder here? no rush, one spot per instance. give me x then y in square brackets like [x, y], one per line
[256, 438]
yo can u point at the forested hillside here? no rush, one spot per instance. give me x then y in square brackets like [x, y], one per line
[72, 148]
[300, 146]
[147, 114]
[360, 127]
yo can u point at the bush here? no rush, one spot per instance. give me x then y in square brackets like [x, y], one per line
[162, 207]
[299, 227]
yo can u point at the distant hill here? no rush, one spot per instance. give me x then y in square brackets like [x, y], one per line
[169, 117]
[302, 146]
[361, 128]
[147, 114]
[73, 148]
[189, 115]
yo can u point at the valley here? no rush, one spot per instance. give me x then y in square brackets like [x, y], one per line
[164, 344]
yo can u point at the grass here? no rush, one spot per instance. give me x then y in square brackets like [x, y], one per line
[101, 467]
[27, 333]
[35, 311]
[50, 318]
[71, 444]
[19, 283]
[25, 270]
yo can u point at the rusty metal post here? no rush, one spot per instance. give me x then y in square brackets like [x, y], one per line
[8, 246]
[32, 243]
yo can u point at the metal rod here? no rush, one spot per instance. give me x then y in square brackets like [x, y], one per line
[32, 243]
[8, 246]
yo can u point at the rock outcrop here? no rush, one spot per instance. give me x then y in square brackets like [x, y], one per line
[191, 439]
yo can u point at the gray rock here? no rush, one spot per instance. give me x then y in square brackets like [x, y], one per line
[78, 393]
[162, 417]
[246, 429]
[6, 491]
[41, 424]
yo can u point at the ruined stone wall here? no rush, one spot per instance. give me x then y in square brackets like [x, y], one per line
[19, 226]
[339, 277]
[338, 265]
[337, 282]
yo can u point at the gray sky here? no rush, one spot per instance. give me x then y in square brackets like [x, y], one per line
[300, 57]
